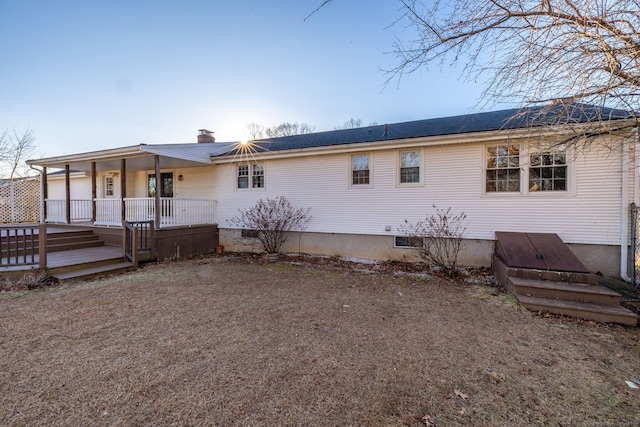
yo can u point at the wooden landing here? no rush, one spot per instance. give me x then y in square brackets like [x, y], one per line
[81, 263]
[83, 256]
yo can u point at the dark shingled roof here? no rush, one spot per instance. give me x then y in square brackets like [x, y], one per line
[479, 122]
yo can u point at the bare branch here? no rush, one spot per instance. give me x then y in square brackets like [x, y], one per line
[533, 51]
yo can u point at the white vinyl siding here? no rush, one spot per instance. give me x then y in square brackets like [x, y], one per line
[453, 177]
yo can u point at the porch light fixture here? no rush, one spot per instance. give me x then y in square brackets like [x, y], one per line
[180, 177]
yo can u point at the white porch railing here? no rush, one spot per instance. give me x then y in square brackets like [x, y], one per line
[57, 211]
[173, 212]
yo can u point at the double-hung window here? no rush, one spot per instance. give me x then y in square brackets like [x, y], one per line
[258, 176]
[360, 169]
[409, 167]
[548, 171]
[250, 176]
[525, 169]
[243, 176]
[503, 168]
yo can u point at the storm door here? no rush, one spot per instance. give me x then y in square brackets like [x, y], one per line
[166, 191]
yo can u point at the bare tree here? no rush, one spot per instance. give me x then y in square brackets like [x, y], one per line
[353, 124]
[15, 148]
[538, 53]
[350, 124]
[288, 129]
[257, 131]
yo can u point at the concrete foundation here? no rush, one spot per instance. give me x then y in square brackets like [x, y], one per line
[474, 252]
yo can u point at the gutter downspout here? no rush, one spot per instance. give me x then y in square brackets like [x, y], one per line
[628, 168]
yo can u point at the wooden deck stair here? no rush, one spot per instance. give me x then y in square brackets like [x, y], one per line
[78, 254]
[581, 300]
[76, 239]
[573, 293]
[87, 262]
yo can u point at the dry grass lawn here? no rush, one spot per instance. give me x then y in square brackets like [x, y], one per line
[231, 341]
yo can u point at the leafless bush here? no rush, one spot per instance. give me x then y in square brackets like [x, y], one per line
[273, 220]
[441, 235]
[33, 279]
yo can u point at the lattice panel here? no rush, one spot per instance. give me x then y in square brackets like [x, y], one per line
[20, 200]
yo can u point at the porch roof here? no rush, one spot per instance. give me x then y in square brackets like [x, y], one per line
[140, 157]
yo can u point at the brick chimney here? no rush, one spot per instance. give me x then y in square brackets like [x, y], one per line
[205, 136]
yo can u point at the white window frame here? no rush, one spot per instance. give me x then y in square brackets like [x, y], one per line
[508, 168]
[109, 184]
[526, 150]
[251, 174]
[370, 169]
[420, 166]
[418, 242]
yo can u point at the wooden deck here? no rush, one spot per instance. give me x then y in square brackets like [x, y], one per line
[83, 256]
[72, 257]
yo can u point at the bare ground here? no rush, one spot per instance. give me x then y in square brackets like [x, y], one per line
[235, 341]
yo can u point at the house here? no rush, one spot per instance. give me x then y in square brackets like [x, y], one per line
[362, 184]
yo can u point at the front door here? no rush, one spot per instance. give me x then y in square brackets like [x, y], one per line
[166, 190]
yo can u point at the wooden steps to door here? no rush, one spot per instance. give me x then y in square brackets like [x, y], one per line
[542, 282]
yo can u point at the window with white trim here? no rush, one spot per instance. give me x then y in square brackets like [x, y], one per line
[360, 169]
[250, 176]
[502, 168]
[514, 168]
[258, 176]
[408, 242]
[243, 176]
[548, 170]
[108, 186]
[409, 167]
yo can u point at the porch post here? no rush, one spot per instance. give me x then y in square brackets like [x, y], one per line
[42, 245]
[94, 192]
[67, 183]
[45, 194]
[123, 187]
[158, 191]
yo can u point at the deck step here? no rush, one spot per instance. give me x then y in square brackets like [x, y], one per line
[580, 292]
[93, 243]
[581, 310]
[113, 268]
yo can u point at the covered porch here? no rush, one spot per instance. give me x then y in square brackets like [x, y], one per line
[166, 184]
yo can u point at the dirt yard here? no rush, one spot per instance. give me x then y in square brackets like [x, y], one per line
[234, 341]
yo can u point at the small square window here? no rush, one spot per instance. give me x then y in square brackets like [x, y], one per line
[548, 171]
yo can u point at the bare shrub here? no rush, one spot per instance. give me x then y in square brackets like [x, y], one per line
[441, 235]
[273, 220]
[33, 279]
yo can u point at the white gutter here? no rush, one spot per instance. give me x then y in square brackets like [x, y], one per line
[628, 168]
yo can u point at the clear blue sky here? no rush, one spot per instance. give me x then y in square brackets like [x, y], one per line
[88, 75]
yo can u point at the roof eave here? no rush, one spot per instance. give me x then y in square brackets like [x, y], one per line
[109, 154]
